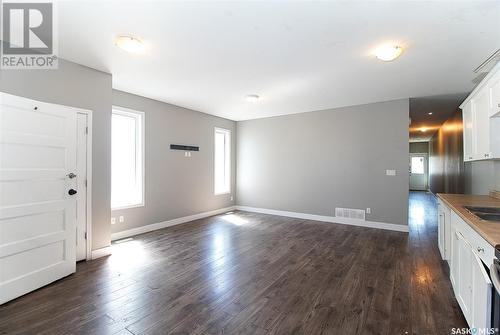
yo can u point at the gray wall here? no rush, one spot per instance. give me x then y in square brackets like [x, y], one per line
[482, 177]
[314, 162]
[176, 186]
[78, 86]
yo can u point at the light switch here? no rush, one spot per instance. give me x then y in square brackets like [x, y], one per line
[390, 172]
[120, 219]
[113, 220]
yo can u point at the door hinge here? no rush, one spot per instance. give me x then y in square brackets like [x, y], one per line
[85, 235]
[86, 130]
[85, 182]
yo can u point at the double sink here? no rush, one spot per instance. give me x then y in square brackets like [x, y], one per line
[485, 213]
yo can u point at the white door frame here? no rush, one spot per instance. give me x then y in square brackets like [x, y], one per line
[88, 256]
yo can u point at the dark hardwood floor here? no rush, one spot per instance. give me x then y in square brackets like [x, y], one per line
[247, 273]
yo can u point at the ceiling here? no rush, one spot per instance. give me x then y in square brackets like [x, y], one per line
[298, 56]
[442, 108]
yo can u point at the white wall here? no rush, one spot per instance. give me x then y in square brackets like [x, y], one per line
[314, 162]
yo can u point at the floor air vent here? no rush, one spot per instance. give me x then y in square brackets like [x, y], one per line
[350, 213]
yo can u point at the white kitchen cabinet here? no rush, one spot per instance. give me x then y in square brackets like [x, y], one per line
[468, 276]
[454, 264]
[464, 288]
[444, 234]
[481, 119]
[481, 295]
[469, 139]
[481, 110]
[495, 96]
[441, 243]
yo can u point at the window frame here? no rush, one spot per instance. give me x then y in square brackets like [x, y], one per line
[141, 116]
[227, 164]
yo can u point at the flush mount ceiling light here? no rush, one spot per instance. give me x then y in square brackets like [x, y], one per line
[423, 129]
[430, 113]
[252, 98]
[388, 53]
[130, 44]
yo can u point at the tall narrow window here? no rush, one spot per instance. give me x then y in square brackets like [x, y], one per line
[222, 159]
[127, 158]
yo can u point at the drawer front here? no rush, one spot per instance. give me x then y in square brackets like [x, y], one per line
[480, 246]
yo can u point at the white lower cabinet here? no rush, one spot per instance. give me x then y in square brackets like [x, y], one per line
[463, 275]
[469, 278]
[444, 234]
[481, 295]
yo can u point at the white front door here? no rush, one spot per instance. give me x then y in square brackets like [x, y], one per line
[418, 172]
[37, 210]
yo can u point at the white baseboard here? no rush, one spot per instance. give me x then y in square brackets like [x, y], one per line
[101, 252]
[173, 222]
[159, 225]
[323, 218]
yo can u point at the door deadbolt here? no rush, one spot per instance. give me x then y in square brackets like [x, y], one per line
[71, 175]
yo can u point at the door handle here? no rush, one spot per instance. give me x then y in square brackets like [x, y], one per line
[71, 175]
[72, 192]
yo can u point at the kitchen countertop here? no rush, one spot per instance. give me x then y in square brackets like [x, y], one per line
[489, 230]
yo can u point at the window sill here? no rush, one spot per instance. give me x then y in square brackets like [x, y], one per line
[127, 207]
[223, 193]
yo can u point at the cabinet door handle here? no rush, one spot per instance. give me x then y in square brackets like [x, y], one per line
[480, 249]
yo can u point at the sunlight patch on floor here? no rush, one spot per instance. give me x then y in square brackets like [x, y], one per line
[234, 219]
[128, 253]
[417, 215]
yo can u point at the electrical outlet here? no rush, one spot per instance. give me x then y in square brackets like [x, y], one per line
[231, 198]
[368, 210]
[113, 220]
[121, 219]
[390, 172]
